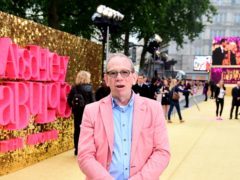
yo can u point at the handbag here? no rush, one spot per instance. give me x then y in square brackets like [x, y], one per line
[175, 96]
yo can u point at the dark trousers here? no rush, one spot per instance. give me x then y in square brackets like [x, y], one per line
[76, 138]
[176, 104]
[186, 100]
[206, 96]
[212, 93]
[219, 102]
[234, 104]
[77, 122]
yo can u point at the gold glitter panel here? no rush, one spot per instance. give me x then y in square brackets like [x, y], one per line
[84, 55]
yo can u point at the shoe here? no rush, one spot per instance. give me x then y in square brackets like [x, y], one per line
[75, 152]
[220, 118]
[236, 118]
[231, 118]
[169, 121]
[181, 121]
[217, 118]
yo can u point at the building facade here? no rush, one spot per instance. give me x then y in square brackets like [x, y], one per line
[225, 23]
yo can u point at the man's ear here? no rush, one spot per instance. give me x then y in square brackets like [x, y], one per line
[106, 78]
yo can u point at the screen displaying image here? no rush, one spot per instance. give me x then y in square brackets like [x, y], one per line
[202, 63]
[226, 51]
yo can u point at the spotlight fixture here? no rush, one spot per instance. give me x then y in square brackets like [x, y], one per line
[108, 21]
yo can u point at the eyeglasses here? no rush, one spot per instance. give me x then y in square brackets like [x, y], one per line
[114, 74]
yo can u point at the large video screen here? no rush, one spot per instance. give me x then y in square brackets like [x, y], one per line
[202, 63]
[226, 51]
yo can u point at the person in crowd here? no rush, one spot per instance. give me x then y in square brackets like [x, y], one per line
[80, 95]
[205, 90]
[174, 99]
[165, 101]
[123, 136]
[194, 87]
[218, 54]
[220, 92]
[226, 61]
[141, 87]
[235, 100]
[154, 88]
[212, 88]
[238, 58]
[233, 51]
[186, 93]
[102, 91]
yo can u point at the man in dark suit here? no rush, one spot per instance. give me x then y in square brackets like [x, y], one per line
[219, 53]
[235, 100]
[140, 87]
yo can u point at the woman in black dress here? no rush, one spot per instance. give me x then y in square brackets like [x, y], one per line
[165, 98]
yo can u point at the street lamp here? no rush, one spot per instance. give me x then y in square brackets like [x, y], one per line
[106, 19]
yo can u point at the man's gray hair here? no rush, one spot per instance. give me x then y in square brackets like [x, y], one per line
[121, 55]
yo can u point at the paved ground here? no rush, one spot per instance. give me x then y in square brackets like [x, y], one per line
[202, 148]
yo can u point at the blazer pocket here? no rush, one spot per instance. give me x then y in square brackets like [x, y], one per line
[147, 136]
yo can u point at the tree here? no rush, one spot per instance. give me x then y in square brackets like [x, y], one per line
[171, 19]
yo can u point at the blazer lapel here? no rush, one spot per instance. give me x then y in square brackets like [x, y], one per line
[138, 120]
[107, 118]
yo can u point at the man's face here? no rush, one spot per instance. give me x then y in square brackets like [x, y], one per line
[140, 79]
[224, 43]
[121, 85]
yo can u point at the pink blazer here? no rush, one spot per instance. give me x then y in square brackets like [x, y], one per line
[150, 148]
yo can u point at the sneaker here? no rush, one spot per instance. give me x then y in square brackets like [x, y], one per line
[220, 118]
[169, 121]
[181, 121]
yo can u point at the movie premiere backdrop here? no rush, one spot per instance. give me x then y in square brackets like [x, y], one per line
[37, 66]
[226, 60]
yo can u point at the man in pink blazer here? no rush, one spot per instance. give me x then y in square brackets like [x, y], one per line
[123, 136]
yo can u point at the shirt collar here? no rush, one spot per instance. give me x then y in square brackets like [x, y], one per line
[130, 103]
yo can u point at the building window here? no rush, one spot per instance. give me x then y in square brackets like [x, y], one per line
[219, 18]
[198, 51]
[235, 33]
[237, 18]
[235, 2]
[217, 2]
[217, 33]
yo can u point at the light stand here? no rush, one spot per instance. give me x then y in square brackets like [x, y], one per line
[106, 19]
[107, 50]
